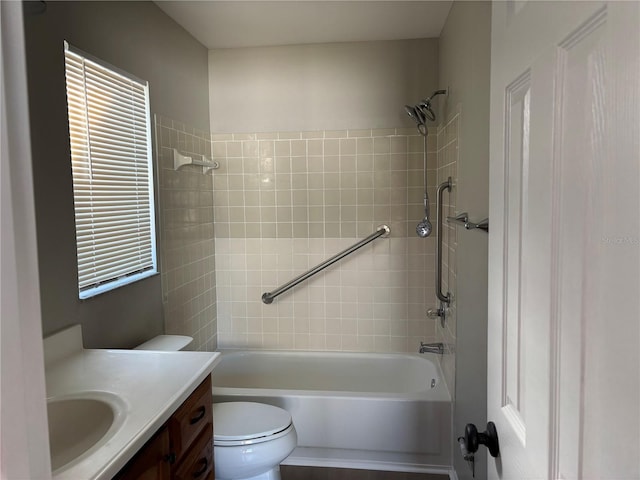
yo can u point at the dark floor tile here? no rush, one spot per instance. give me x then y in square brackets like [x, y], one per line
[289, 472]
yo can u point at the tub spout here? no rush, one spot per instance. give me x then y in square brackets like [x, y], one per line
[432, 348]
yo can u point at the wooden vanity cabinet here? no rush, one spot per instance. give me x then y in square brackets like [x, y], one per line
[183, 447]
[150, 462]
[191, 434]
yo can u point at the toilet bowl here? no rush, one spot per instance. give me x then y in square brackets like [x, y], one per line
[250, 440]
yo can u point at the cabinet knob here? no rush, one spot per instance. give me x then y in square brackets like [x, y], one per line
[171, 458]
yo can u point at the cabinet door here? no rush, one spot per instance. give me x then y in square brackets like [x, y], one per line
[151, 461]
[197, 462]
[189, 420]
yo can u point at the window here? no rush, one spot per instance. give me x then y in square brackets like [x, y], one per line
[109, 125]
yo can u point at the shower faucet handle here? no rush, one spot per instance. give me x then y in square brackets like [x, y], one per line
[441, 312]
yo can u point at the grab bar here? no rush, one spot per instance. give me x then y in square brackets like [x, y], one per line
[463, 218]
[381, 231]
[441, 296]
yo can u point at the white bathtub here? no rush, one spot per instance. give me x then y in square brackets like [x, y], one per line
[357, 410]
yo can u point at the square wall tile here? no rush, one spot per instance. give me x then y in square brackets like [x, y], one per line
[302, 197]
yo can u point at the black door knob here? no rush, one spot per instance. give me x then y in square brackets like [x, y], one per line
[489, 438]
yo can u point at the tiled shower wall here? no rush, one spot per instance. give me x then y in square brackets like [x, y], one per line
[447, 155]
[187, 253]
[285, 201]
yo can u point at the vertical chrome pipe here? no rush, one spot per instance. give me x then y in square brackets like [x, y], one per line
[441, 296]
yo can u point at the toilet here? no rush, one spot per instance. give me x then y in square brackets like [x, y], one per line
[250, 439]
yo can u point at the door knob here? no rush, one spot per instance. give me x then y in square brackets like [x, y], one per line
[489, 438]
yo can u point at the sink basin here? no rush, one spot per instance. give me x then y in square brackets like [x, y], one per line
[80, 424]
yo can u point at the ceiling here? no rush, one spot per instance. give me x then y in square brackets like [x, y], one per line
[234, 24]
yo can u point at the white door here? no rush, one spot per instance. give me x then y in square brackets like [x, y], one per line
[24, 443]
[564, 263]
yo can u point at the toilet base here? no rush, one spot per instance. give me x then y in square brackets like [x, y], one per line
[273, 474]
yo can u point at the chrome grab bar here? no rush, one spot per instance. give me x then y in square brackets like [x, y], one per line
[463, 219]
[381, 231]
[441, 296]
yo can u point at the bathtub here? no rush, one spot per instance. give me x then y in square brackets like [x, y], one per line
[351, 410]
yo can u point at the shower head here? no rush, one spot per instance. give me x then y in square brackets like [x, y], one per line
[420, 113]
[425, 109]
[418, 116]
[413, 113]
[423, 229]
[425, 106]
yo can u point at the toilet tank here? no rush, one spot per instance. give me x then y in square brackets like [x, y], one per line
[167, 343]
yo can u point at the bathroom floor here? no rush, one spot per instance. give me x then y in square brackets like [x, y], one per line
[321, 473]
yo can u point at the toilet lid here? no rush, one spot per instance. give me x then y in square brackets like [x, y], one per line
[234, 421]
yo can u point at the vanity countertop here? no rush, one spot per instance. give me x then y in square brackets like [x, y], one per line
[148, 386]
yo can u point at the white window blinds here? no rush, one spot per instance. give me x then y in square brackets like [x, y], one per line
[109, 125]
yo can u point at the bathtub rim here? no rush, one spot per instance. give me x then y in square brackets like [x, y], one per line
[439, 393]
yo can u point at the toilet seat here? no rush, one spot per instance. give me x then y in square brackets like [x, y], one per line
[246, 423]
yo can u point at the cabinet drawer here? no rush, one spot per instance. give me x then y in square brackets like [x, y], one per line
[198, 461]
[190, 419]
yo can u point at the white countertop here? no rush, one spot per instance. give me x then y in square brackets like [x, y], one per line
[149, 387]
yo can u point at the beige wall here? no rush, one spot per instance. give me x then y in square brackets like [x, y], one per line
[316, 151]
[187, 259]
[335, 86]
[465, 68]
[448, 153]
[139, 38]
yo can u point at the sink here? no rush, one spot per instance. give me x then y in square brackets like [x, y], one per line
[79, 425]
